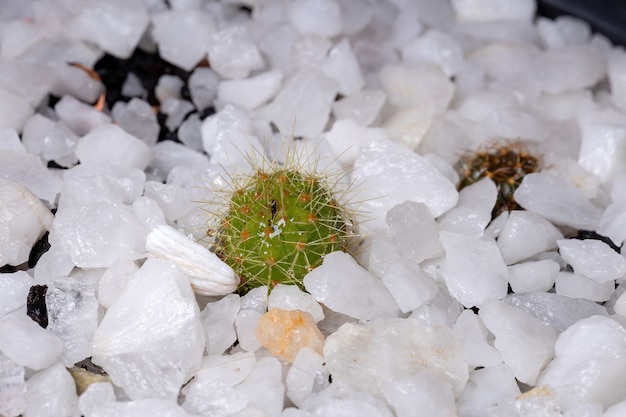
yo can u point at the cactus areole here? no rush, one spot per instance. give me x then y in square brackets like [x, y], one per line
[278, 227]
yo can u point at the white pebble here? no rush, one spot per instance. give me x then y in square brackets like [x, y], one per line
[473, 269]
[233, 53]
[477, 340]
[14, 110]
[115, 26]
[421, 391]
[97, 395]
[579, 286]
[435, 47]
[353, 354]
[29, 81]
[26, 343]
[391, 174]
[263, 387]
[52, 141]
[28, 169]
[341, 66]
[362, 106]
[14, 288]
[108, 143]
[533, 276]
[570, 68]
[290, 297]
[526, 344]
[589, 364]
[80, 117]
[246, 323]
[137, 118]
[473, 212]
[193, 27]
[157, 313]
[96, 235]
[51, 393]
[346, 136]
[423, 85]
[302, 106]
[23, 220]
[306, 374]
[114, 281]
[319, 17]
[218, 320]
[345, 287]
[557, 200]
[12, 388]
[252, 92]
[613, 223]
[409, 126]
[486, 10]
[203, 85]
[486, 387]
[593, 259]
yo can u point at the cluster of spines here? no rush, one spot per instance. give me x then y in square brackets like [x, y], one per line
[505, 164]
[279, 224]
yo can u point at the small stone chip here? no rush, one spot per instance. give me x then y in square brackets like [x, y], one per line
[285, 332]
[36, 305]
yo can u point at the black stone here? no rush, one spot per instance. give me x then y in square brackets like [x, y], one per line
[42, 246]
[36, 307]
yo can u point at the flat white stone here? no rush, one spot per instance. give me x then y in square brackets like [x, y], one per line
[233, 53]
[473, 212]
[362, 106]
[593, 259]
[14, 288]
[51, 392]
[218, 319]
[14, 110]
[477, 340]
[346, 136]
[486, 10]
[290, 297]
[533, 276]
[251, 92]
[580, 287]
[342, 66]
[316, 17]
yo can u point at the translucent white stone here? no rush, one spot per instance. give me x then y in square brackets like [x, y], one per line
[14, 288]
[152, 337]
[306, 372]
[191, 27]
[218, 320]
[251, 92]
[14, 110]
[347, 135]
[78, 116]
[246, 323]
[617, 77]
[290, 297]
[137, 118]
[189, 132]
[353, 354]
[92, 183]
[12, 388]
[51, 393]
[10, 141]
[391, 174]
[233, 53]
[473, 212]
[422, 85]
[423, 392]
[526, 344]
[255, 299]
[557, 200]
[309, 50]
[175, 202]
[148, 212]
[533, 276]
[143, 407]
[26, 343]
[52, 141]
[29, 81]
[473, 269]
[342, 67]
[263, 387]
[526, 234]
[115, 26]
[485, 10]
[565, 105]
[27, 169]
[362, 106]
[73, 316]
[410, 126]
[133, 87]
[340, 396]
[75, 82]
[579, 286]
[570, 68]
[302, 106]
[435, 47]
[114, 281]
[176, 110]
[477, 340]
[95, 396]
[96, 235]
[203, 85]
[486, 387]
[316, 17]
[23, 220]
[168, 155]
[589, 363]
[108, 143]
[345, 287]
[613, 223]
[593, 259]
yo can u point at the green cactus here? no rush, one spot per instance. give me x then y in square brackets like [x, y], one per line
[506, 165]
[279, 225]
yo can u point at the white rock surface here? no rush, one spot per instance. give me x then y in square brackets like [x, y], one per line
[486, 387]
[233, 53]
[23, 220]
[318, 17]
[203, 85]
[589, 363]
[593, 259]
[477, 340]
[14, 110]
[345, 287]
[151, 339]
[108, 143]
[51, 393]
[114, 280]
[435, 47]
[487, 10]
[194, 27]
[473, 212]
[613, 223]
[391, 174]
[362, 106]
[570, 68]
[52, 141]
[526, 344]
[423, 392]
[80, 117]
[246, 323]
[579, 286]
[533, 276]
[12, 388]
[290, 297]
[115, 26]
[617, 77]
[29, 81]
[346, 136]
[26, 343]
[352, 354]
[14, 288]
[526, 234]
[97, 396]
[263, 387]
[137, 118]
[98, 234]
[218, 320]
[251, 92]
[342, 66]
[473, 269]
[557, 200]
[27, 169]
[306, 374]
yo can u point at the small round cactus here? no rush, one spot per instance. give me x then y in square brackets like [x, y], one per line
[506, 165]
[279, 224]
